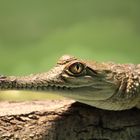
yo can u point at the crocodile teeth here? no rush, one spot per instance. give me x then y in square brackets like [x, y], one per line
[58, 87]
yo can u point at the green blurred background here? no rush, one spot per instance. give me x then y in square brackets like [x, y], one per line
[34, 34]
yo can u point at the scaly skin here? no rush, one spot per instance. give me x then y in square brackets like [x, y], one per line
[103, 85]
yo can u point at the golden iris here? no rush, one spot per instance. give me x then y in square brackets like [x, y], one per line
[76, 68]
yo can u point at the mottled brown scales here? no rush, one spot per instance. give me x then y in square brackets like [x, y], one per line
[104, 85]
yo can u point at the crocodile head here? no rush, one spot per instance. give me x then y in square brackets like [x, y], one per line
[71, 77]
[79, 79]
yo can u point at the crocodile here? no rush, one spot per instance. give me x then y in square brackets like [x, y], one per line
[106, 86]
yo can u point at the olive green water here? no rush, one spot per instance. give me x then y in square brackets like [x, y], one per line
[34, 34]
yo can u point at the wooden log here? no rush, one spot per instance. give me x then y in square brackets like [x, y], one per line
[66, 120]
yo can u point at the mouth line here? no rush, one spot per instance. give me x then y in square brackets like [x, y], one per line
[51, 87]
[62, 88]
[58, 87]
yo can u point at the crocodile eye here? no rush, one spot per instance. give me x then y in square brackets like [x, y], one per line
[76, 68]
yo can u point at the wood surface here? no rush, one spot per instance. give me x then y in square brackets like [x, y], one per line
[66, 120]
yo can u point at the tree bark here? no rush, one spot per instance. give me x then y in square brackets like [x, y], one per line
[66, 120]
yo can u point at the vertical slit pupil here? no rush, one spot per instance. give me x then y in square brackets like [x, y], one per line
[78, 67]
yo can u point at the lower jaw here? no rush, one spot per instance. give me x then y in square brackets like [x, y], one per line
[81, 93]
